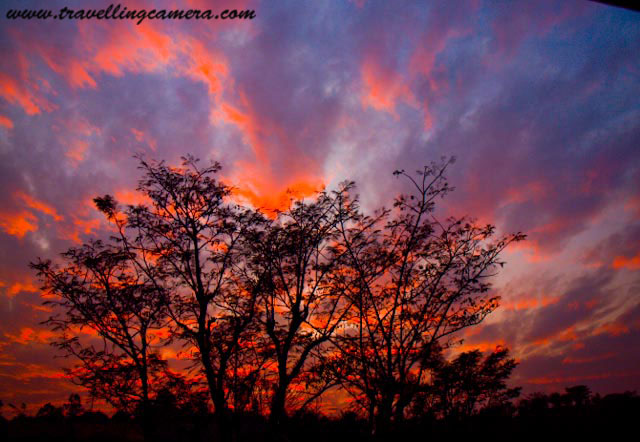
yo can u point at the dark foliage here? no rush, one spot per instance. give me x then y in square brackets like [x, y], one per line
[576, 413]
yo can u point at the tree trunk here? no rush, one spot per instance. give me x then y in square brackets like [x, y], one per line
[372, 415]
[277, 413]
[277, 406]
[383, 417]
[216, 394]
[398, 413]
[146, 421]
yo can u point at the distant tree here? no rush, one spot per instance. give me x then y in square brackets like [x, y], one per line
[535, 405]
[470, 382]
[19, 410]
[618, 406]
[180, 395]
[578, 396]
[50, 411]
[73, 407]
[574, 401]
[413, 281]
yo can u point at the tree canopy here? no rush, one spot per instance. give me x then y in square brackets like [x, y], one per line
[276, 309]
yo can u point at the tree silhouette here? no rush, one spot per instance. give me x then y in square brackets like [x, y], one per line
[191, 245]
[470, 382]
[99, 291]
[179, 396]
[301, 306]
[413, 281]
[574, 401]
[50, 411]
[73, 407]
[578, 396]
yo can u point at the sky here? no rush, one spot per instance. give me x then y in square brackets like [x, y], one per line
[539, 102]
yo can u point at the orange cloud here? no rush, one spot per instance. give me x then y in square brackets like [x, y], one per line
[79, 134]
[526, 303]
[383, 89]
[86, 226]
[205, 66]
[22, 88]
[18, 224]
[141, 137]
[28, 335]
[31, 371]
[76, 152]
[578, 346]
[128, 48]
[162, 333]
[612, 329]
[38, 307]
[25, 286]
[268, 194]
[622, 262]
[79, 77]
[6, 122]
[256, 182]
[78, 227]
[40, 206]
[554, 226]
[254, 130]
[145, 48]
[568, 334]
[130, 197]
[16, 93]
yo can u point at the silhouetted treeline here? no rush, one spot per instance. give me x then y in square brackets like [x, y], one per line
[275, 308]
[575, 413]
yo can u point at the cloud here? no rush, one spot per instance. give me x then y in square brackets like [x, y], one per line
[543, 120]
[6, 122]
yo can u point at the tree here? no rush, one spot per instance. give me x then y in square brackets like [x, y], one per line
[470, 382]
[302, 306]
[98, 291]
[49, 411]
[190, 243]
[413, 281]
[179, 395]
[578, 396]
[73, 407]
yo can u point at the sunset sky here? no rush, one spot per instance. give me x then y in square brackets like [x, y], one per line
[539, 101]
